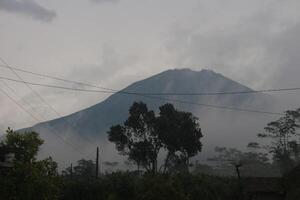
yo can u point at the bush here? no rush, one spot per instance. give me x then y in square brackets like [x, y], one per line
[126, 185]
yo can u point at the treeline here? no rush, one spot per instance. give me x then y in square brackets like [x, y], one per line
[144, 135]
[141, 138]
[132, 186]
[31, 179]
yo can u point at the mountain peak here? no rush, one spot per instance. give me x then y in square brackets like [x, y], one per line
[97, 118]
[188, 71]
[208, 71]
[95, 121]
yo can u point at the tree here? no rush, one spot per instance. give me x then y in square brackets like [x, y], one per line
[29, 178]
[246, 163]
[85, 169]
[25, 146]
[137, 137]
[284, 139]
[110, 166]
[143, 135]
[179, 133]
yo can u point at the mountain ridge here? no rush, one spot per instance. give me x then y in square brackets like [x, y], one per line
[96, 119]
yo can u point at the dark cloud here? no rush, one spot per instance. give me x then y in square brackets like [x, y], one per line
[29, 8]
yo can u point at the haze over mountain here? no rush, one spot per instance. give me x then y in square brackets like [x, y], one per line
[95, 120]
[220, 127]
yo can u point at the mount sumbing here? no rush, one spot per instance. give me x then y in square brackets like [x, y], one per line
[96, 120]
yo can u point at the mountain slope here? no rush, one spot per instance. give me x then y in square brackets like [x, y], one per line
[96, 120]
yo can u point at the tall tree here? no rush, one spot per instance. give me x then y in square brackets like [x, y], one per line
[29, 178]
[85, 169]
[180, 134]
[143, 135]
[25, 146]
[250, 163]
[137, 137]
[284, 139]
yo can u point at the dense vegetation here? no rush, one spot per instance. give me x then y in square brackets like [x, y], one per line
[32, 179]
[130, 185]
[142, 136]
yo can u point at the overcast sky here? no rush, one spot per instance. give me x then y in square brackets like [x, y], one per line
[116, 42]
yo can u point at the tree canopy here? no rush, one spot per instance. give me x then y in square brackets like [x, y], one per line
[144, 134]
[284, 145]
[25, 146]
[29, 178]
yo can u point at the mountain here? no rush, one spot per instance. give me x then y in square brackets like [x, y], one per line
[96, 120]
[220, 127]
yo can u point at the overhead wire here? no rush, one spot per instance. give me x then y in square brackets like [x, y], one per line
[21, 80]
[40, 97]
[148, 96]
[110, 90]
[38, 121]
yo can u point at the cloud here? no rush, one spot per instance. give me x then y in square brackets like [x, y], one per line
[28, 8]
[105, 1]
[261, 50]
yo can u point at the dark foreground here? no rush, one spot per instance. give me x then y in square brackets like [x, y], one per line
[131, 185]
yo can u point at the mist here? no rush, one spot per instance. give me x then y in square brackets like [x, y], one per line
[254, 43]
[223, 128]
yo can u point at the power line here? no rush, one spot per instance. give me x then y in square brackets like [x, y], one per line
[147, 95]
[152, 97]
[41, 98]
[37, 120]
[56, 78]
[215, 106]
[15, 93]
[225, 93]
[110, 90]
[60, 87]
[18, 104]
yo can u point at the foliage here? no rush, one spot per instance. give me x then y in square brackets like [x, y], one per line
[143, 135]
[137, 138]
[284, 138]
[25, 146]
[82, 189]
[85, 169]
[132, 186]
[179, 133]
[160, 188]
[204, 169]
[250, 163]
[28, 179]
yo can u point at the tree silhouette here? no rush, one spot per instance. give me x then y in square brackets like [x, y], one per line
[284, 139]
[24, 146]
[29, 178]
[180, 134]
[137, 137]
[143, 135]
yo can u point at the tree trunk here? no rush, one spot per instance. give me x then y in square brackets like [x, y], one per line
[166, 162]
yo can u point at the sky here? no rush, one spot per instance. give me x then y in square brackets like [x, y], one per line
[113, 43]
